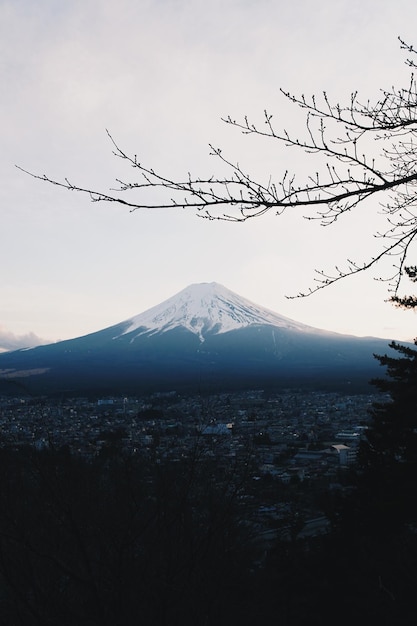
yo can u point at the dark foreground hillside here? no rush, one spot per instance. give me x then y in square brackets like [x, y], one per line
[117, 540]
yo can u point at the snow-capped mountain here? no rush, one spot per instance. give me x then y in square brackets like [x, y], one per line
[207, 308]
[204, 337]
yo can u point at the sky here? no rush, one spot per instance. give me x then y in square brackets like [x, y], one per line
[160, 75]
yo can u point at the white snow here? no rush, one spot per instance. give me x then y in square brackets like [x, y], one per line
[205, 307]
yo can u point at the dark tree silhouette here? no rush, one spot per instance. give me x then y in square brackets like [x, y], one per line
[360, 150]
[115, 539]
[407, 302]
[394, 431]
[391, 450]
[389, 457]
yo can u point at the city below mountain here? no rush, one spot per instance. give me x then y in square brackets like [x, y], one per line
[204, 338]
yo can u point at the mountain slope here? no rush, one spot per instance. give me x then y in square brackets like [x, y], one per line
[204, 336]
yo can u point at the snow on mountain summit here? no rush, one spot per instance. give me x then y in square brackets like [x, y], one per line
[207, 307]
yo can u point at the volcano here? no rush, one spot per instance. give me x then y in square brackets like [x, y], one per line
[204, 338]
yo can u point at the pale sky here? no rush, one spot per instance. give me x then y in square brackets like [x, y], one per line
[160, 74]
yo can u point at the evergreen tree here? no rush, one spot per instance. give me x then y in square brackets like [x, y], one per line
[407, 302]
[389, 457]
[393, 435]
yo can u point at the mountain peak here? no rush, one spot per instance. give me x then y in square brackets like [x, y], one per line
[140, 354]
[205, 308]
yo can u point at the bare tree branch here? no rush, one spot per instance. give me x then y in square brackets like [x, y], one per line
[362, 150]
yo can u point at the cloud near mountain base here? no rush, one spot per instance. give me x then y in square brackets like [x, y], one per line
[10, 341]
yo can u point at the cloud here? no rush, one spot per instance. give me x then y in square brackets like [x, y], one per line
[10, 341]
